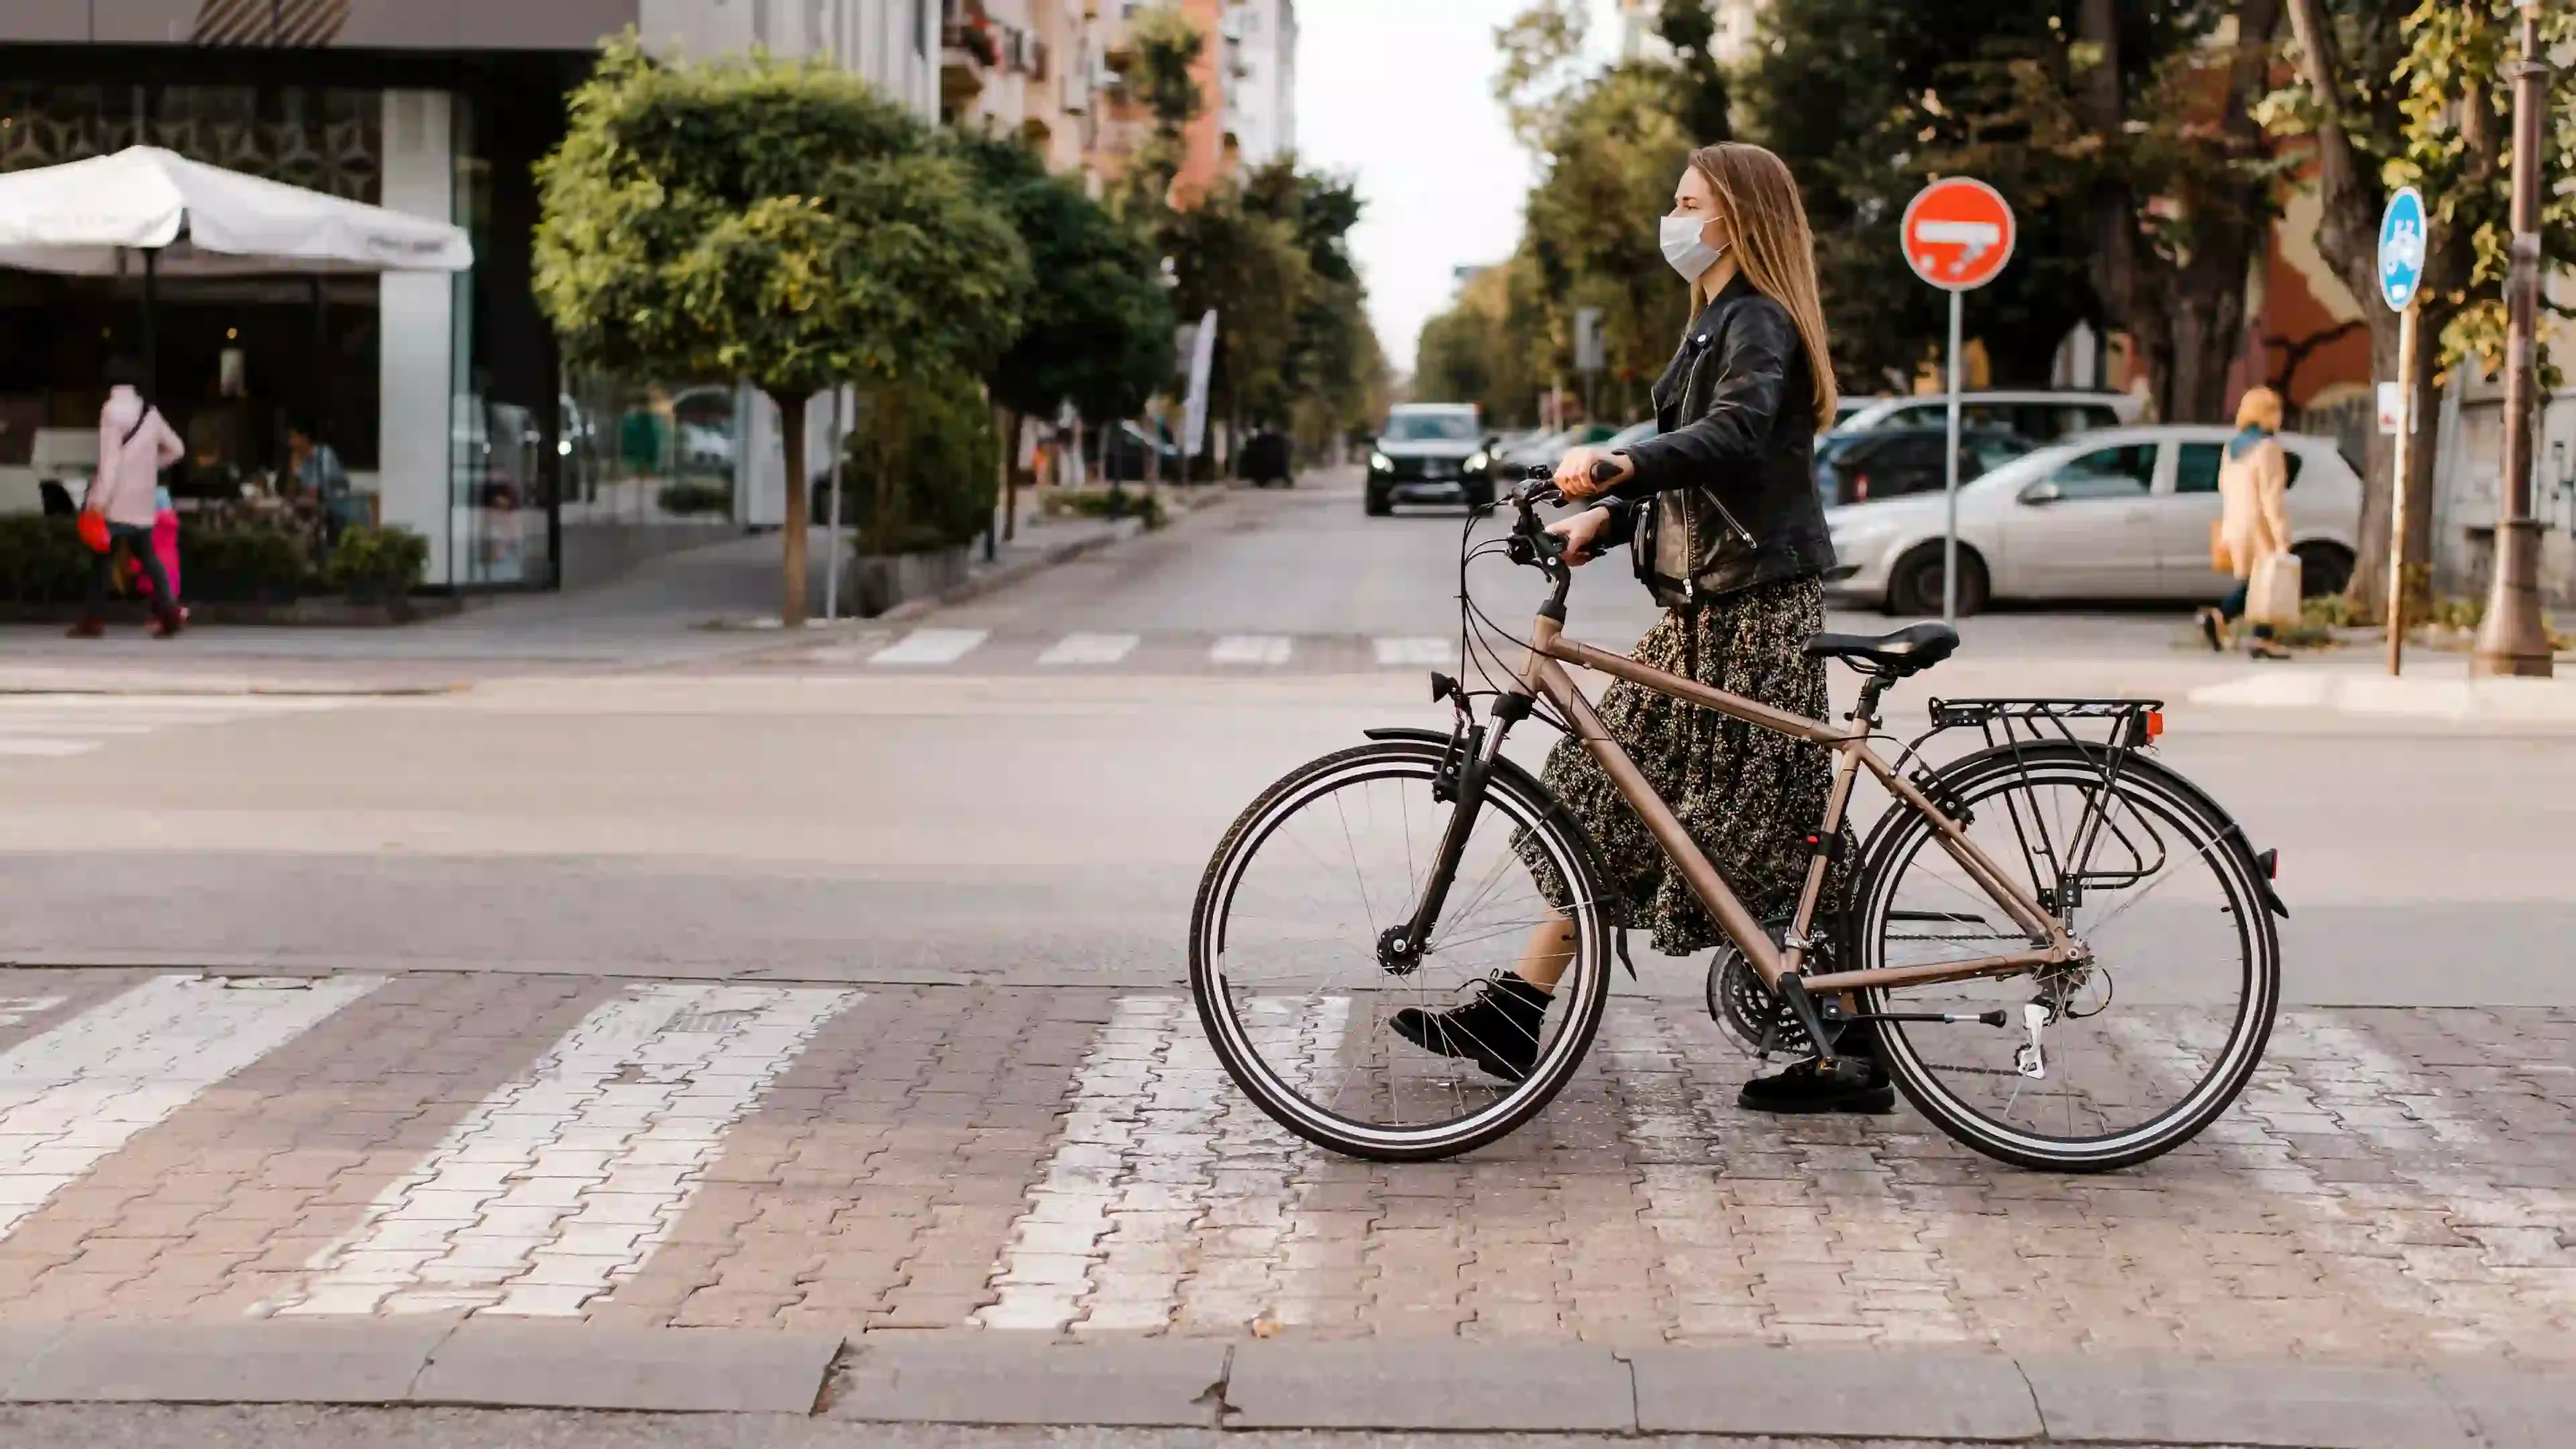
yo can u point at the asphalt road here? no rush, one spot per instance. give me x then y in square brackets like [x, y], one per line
[1006, 813]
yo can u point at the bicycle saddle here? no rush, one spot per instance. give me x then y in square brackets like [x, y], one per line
[1910, 649]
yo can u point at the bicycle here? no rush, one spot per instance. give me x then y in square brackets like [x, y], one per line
[1980, 939]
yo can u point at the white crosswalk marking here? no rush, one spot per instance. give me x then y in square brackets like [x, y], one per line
[75, 1094]
[1416, 653]
[559, 1185]
[60, 726]
[1089, 649]
[1260, 650]
[1112, 1235]
[932, 646]
[18, 1010]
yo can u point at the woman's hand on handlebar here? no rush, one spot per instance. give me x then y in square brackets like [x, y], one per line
[1582, 533]
[1574, 475]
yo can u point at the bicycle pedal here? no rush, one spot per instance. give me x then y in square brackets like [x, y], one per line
[1847, 1071]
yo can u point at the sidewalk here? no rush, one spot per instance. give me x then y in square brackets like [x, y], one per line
[663, 614]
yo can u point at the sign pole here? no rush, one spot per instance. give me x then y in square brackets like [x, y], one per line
[2404, 461]
[832, 548]
[1950, 476]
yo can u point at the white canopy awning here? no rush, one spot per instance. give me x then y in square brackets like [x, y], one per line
[76, 218]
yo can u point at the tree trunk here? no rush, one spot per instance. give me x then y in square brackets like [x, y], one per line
[2368, 595]
[791, 422]
[1011, 475]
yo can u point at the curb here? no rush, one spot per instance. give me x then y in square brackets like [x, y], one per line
[2500, 701]
[1002, 576]
[1000, 1379]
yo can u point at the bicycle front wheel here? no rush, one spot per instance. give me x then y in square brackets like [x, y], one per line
[2140, 1047]
[1298, 1004]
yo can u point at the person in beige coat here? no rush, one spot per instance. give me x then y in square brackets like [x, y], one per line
[2254, 515]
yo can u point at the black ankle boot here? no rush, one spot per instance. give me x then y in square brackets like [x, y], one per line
[1803, 1088]
[1498, 1031]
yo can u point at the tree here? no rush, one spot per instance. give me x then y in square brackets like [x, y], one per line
[1700, 100]
[1250, 270]
[2392, 97]
[2138, 121]
[1162, 50]
[1098, 325]
[1334, 375]
[1861, 98]
[775, 222]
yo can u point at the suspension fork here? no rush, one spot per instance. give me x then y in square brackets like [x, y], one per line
[1464, 774]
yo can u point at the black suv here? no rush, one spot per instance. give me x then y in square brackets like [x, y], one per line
[1431, 453]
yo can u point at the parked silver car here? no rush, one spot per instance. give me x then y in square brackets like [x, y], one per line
[2042, 416]
[2119, 514]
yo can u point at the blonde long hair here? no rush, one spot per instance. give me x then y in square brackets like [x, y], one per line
[1773, 248]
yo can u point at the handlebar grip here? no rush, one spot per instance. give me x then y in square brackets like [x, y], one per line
[1605, 471]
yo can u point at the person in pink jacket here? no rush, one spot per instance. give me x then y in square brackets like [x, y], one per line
[134, 445]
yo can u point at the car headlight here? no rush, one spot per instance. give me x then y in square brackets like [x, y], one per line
[1381, 463]
[1478, 461]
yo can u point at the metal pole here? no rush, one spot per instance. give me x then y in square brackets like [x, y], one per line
[832, 532]
[1950, 477]
[2408, 412]
[2514, 639]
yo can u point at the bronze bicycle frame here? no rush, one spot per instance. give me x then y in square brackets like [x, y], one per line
[1543, 676]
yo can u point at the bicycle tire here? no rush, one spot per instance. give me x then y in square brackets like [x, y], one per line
[1585, 987]
[1901, 839]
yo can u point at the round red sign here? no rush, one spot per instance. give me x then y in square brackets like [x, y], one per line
[1958, 233]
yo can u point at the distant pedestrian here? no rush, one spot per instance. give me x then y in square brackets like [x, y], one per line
[134, 444]
[2254, 517]
[319, 474]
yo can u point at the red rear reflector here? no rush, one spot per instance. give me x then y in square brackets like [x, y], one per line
[2155, 723]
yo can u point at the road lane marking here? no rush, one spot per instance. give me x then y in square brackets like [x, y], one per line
[560, 1184]
[1117, 1233]
[19, 1010]
[1075, 649]
[1415, 653]
[1257, 650]
[71, 1096]
[62, 726]
[33, 749]
[932, 646]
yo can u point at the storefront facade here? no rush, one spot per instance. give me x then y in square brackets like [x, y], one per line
[444, 396]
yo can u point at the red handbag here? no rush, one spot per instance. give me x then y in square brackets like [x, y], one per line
[93, 530]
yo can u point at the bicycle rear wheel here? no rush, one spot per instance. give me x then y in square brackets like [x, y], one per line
[1284, 960]
[2141, 1047]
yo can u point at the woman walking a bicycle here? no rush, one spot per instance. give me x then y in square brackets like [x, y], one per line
[1721, 514]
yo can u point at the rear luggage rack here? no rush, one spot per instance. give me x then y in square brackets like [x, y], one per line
[2135, 722]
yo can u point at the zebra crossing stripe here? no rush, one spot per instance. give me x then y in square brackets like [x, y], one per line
[1075, 649]
[560, 1184]
[71, 1096]
[45, 749]
[62, 726]
[1116, 1234]
[931, 646]
[1415, 653]
[1258, 650]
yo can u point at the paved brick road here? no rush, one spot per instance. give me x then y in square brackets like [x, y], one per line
[2398, 1185]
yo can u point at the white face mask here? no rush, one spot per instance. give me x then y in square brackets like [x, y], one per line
[1683, 248]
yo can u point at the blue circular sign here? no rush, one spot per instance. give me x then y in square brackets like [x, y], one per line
[2402, 237]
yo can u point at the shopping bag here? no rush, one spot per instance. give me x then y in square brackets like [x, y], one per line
[2273, 596]
[93, 530]
[2220, 560]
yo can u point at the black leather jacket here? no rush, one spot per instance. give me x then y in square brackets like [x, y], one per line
[1724, 497]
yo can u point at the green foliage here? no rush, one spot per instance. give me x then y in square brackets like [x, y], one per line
[1543, 66]
[42, 560]
[1489, 348]
[774, 221]
[1700, 96]
[1334, 376]
[1098, 323]
[1611, 166]
[246, 563]
[2421, 96]
[687, 498]
[1861, 98]
[2134, 124]
[1162, 48]
[924, 462]
[1253, 270]
[377, 561]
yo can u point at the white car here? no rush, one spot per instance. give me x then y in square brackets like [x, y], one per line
[2041, 416]
[2119, 514]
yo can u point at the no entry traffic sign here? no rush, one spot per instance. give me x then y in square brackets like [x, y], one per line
[1958, 233]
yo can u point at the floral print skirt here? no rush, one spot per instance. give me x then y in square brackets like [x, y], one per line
[1748, 797]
